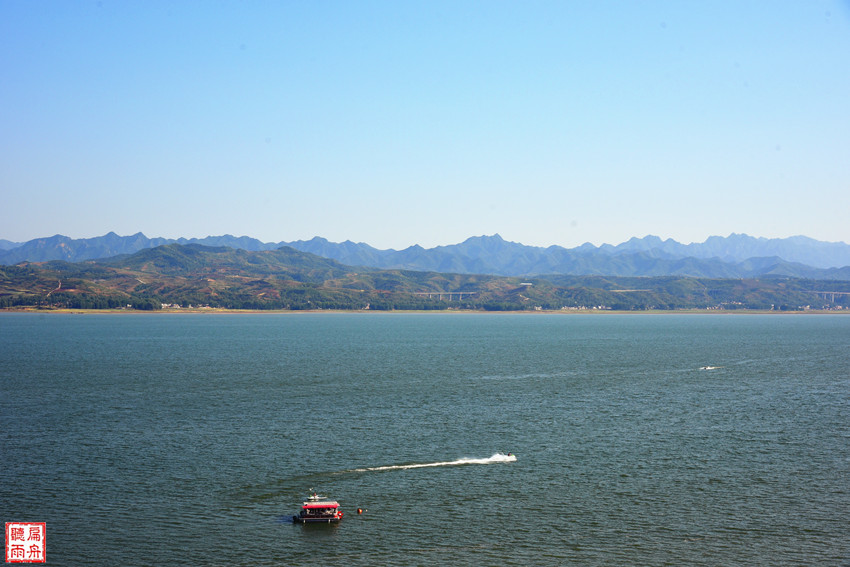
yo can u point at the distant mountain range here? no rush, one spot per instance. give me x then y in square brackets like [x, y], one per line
[178, 276]
[734, 256]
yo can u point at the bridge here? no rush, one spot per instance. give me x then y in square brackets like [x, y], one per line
[830, 294]
[440, 294]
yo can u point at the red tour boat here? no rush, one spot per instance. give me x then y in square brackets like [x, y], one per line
[318, 509]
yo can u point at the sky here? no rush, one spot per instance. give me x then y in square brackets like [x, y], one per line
[425, 122]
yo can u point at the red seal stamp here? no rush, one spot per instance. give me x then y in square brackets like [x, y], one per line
[26, 542]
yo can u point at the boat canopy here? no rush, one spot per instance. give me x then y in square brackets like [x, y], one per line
[320, 505]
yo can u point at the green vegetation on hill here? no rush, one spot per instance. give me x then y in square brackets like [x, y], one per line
[184, 275]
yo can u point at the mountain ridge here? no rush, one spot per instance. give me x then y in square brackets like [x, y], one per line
[737, 255]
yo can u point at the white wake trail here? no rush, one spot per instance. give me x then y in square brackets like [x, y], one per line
[496, 458]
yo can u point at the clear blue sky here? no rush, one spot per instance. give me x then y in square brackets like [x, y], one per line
[401, 123]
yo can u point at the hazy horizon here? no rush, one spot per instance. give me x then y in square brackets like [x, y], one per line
[426, 247]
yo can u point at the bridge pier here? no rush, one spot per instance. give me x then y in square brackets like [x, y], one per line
[449, 294]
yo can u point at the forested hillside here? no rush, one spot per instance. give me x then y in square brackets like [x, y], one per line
[193, 275]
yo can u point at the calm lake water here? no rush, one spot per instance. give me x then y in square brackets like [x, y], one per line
[192, 439]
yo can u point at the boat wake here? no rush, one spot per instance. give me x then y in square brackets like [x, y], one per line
[497, 458]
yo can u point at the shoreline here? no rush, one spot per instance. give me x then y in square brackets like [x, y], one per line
[222, 311]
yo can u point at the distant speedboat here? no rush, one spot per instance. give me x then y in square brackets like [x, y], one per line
[709, 367]
[318, 509]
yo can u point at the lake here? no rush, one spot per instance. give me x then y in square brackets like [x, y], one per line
[193, 439]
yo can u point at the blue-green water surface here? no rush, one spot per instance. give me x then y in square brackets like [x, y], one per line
[191, 440]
